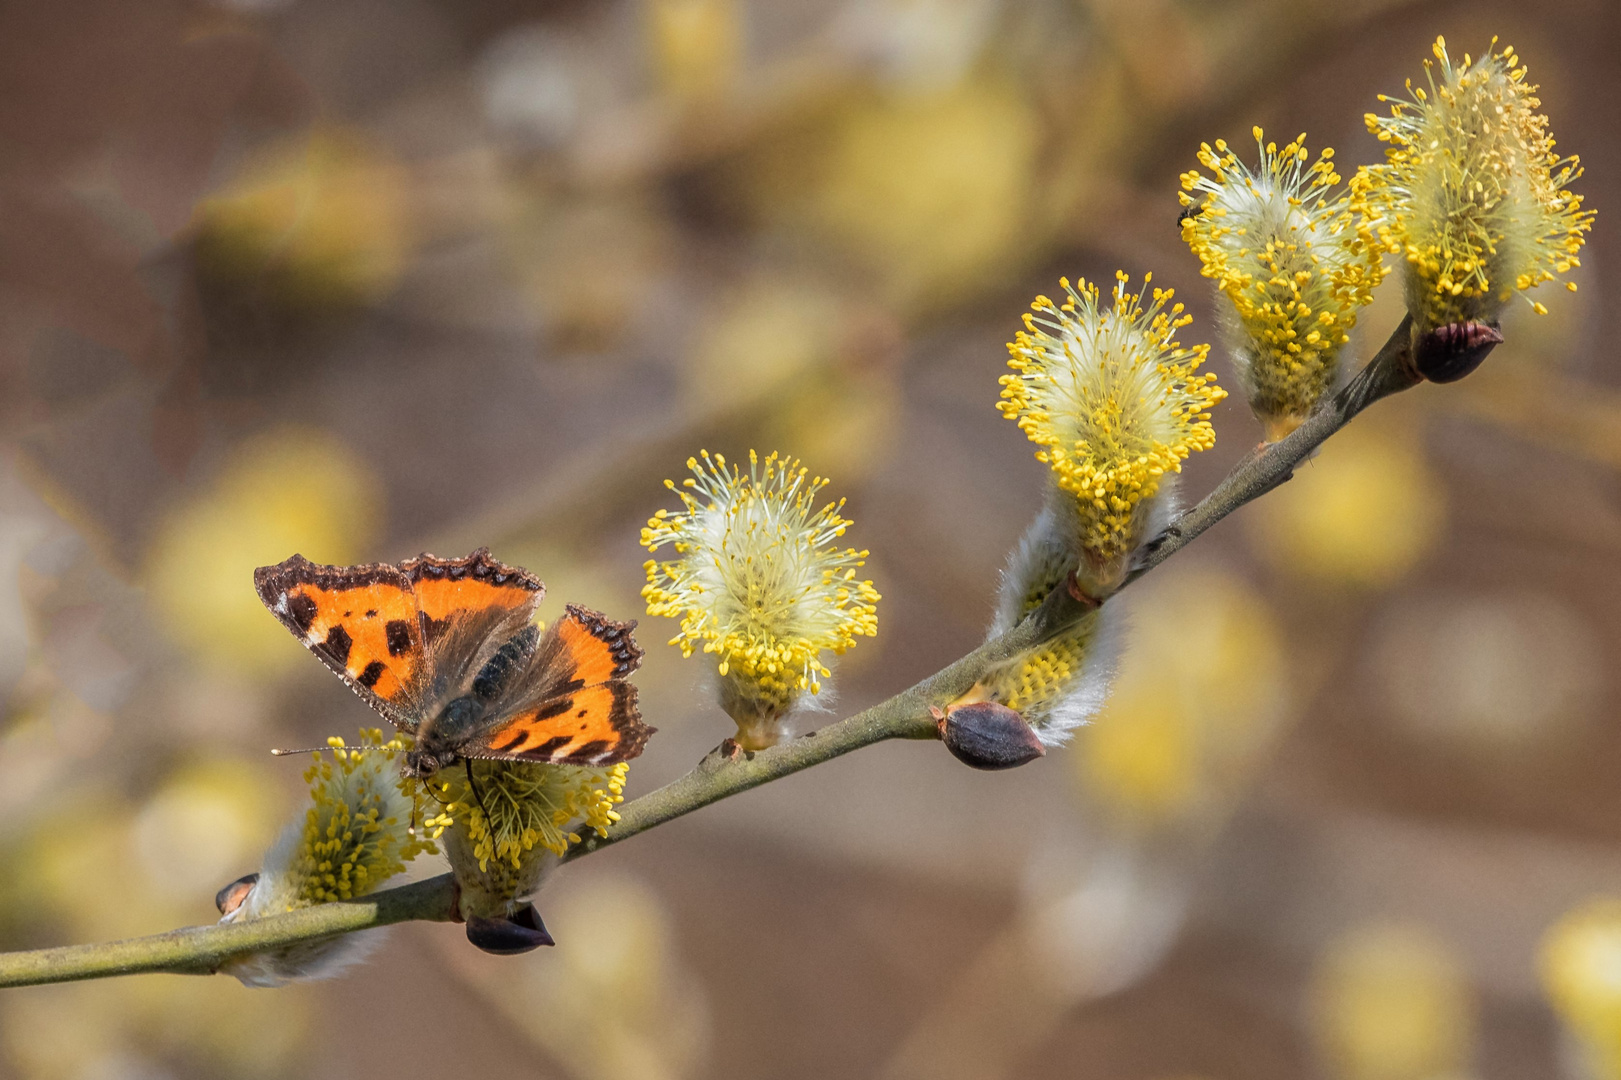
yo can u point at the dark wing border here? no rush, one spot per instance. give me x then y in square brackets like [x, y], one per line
[616, 635]
[479, 565]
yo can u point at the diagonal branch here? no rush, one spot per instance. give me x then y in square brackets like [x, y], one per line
[1269, 465]
[202, 950]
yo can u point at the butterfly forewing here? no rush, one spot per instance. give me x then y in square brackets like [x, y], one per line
[362, 621]
[447, 588]
[403, 637]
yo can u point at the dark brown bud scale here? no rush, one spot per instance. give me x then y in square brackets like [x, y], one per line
[1448, 353]
[986, 735]
[520, 932]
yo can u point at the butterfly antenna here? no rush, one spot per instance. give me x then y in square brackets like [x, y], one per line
[318, 749]
[472, 783]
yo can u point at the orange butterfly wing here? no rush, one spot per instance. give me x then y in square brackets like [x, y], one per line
[360, 620]
[445, 588]
[375, 624]
[583, 710]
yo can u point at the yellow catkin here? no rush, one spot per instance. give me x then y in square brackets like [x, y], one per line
[1472, 193]
[757, 579]
[1043, 678]
[1294, 259]
[1113, 403]
[523, 805]
[356, 830]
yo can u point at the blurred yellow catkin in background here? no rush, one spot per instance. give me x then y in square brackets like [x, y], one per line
[1392, 1002]
[697, 46]
[288, 490]
[1362, 513]
[321, 221]
[768, 333]
[614, 1002]
[1581, 970]
[928, 193]
[204, 826]
[1200, 693]
[1505, 672]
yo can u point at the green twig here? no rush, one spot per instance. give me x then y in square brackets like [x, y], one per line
[202, 950]
[1269, 465]
[723, 772]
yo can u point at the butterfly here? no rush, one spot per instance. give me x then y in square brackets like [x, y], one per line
[444, 649]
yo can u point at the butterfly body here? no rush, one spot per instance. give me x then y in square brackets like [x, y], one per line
[437, 740]
[444, 649]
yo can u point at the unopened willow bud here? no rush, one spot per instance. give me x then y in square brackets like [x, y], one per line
[509, 935]
[1448, 353]
[987, 735]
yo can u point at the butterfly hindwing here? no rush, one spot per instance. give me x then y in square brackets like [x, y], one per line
[597, 648]
[362, 621]
[595, 725]
[574, 705]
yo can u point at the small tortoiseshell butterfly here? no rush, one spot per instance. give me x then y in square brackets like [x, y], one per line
[444, 649]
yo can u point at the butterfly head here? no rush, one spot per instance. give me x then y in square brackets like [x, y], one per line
[420, 764]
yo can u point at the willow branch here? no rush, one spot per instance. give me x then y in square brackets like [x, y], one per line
[723, 773]
[1270, 464]
[203, 950]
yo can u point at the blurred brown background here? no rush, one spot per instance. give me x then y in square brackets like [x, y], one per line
[361, 278]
